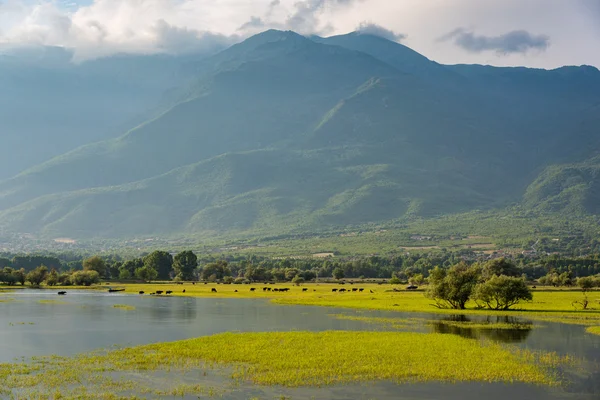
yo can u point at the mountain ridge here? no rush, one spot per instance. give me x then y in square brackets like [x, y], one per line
[283, 133]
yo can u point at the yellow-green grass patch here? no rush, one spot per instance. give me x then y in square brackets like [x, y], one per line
[292, 359]
[124, 307]
[52, 302]
[595, 330]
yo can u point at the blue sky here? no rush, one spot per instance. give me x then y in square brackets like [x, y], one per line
[535, 33]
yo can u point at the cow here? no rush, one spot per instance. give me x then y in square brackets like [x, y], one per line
[183, 290]
[252, 289]
[334, 290]
[305, 290]
[159, 292]
[361, 289]
[342, 290]
[141, 292]
[354, 289]
[169, 291]
[213, 290]
[62, 293]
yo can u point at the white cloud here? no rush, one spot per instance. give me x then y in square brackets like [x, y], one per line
[95, 28]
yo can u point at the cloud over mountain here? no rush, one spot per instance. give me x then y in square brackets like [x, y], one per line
[519, 41]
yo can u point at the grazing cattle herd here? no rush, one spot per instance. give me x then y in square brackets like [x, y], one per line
[268, 289]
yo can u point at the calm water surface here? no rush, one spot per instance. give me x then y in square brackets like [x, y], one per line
[87, 320]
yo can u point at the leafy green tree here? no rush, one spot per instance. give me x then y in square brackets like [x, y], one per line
[502, 292]
[95, 263]
[395, 281]
[586, 284]
[146, 273]
[184, 264]
[417, 279]
[114, 269]
[124, 274]
[161, 262]
[37, 276]
[500, 266]
[19, 276]
[219, 269]
[85, 278]
[338, 273]
[298, 280]
[52, 278]
[453, 287]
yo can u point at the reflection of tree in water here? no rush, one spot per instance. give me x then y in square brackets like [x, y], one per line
[517, 335]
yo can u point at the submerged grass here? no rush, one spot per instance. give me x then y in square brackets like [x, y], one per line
[401, 323]
[289, 359]
[52, 302]
[124, 307]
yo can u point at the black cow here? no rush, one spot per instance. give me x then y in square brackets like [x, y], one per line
[252, 289]
[183, 290]
[159, 292]
[305, 290]
[342, 290]
[141, 292]
[334, 290]
[354, 289]
[62, 293]
[169, 291]
[213, 290]
[361, 289]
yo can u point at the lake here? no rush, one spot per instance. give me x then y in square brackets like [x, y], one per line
[37, 322]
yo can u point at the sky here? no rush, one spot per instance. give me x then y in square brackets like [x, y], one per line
[533, 33]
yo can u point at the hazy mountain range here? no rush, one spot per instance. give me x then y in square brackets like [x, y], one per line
[283, 133]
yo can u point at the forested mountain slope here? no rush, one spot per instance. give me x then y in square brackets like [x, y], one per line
[282, 133]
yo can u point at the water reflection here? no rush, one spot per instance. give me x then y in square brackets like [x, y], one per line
[459, 325]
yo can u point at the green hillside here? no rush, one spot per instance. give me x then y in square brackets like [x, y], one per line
[284, 134]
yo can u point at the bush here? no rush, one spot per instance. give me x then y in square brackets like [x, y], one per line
[298, 280]
[395, 281]
[502, 292]
[37, 276]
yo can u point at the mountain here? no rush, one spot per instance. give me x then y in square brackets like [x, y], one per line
[284, 133]
[50, 105]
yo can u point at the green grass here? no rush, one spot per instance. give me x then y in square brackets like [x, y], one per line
[595, 330]
[124, 307]
[52, 302]
[290, 359]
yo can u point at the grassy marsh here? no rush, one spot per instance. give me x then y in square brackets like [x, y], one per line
[290, 359]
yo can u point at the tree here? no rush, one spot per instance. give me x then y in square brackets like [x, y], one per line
[219, 269]
[184, 265]
[146, 273]
[416, 280]
[502, 292]
[500, 266]
[124, 274]
[95, 263]
[52, 278]
[85, 278]
[37, 276]
[19, 276]
[338, 273]
[586, 284]
[395, 281]
[453, 287]
[161, 262]
[297, 280]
